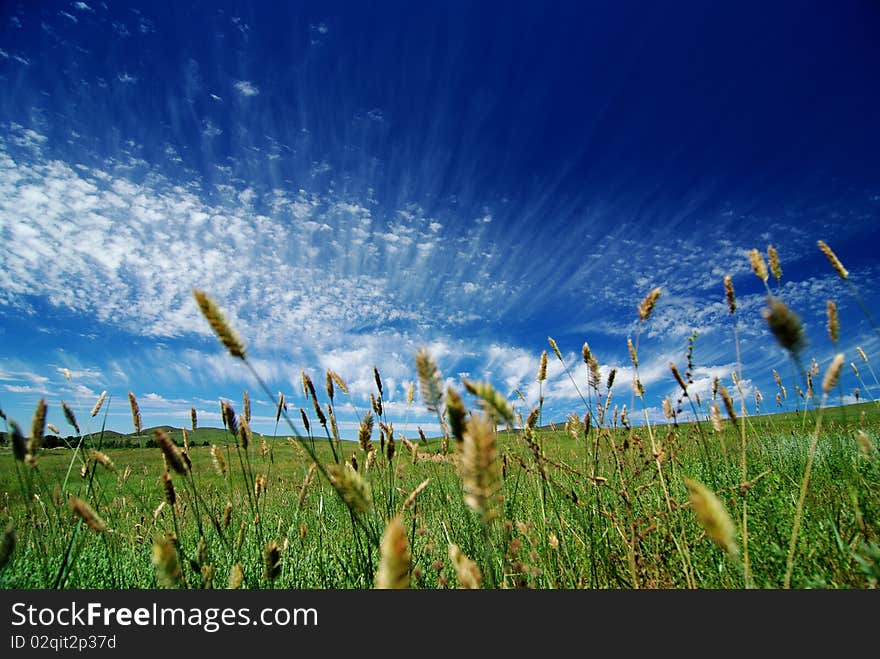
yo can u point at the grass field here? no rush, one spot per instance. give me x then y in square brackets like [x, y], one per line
[577, 511]
[736, 501]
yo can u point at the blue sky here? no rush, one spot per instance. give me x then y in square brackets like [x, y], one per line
[352, 182]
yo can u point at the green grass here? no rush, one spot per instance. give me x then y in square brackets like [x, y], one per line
[558, 528]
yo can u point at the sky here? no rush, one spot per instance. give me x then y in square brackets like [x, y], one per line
[352, 182]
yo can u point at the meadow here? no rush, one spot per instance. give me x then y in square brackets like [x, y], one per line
[601, 500]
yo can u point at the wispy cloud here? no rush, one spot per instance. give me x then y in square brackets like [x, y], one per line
[246, 88]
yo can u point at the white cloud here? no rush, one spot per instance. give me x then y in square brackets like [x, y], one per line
[246, 88]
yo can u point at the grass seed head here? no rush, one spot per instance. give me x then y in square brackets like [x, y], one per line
[492, 401]
[712, 516]
[542, 367]
[429, 380]
[236, 577]
[19, 443]
[135, 412]
[365, 432]
[394, 557]
[219, 461]
[103, 459]
[646, 306]
[728, 403]
[785, 325]
[99, 403]
[758, 265]
[634, 358]
[271, 560]
[38, 427]
[729, 293]
[555, 348]
[354, 490]
[775, 267]
[165, 560]
[833, 321]
[170, 451]
[864, 444]
[218, 323]
[456, 414]
[86, 514]
[466, 571]
[832, 259]
[833, 373]
[481, 469]
[168, 488]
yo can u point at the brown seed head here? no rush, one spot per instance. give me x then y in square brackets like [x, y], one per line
[492, 401]
[19, 444]
[712, 516]
[135, 412]
[611, 374]
[245, 436]
[271, 561]
[218, 323]
[632, 352]
[716, 418]
[218, 460]
[168, 487]
[38, 427]
[466, 571]
[833, 321]
[542, 367]
[429, 380]
[353, 489]
[456, 414]
[833, 260]
[758, 265]
[410, 500]
[236, 577]
[246, 403]
[775, 267]
[378, 380]
[833, 373]
[99, 403]
[678, 378]
[365, 432]
[394, 557]
[862, 353]
[169, 450]
[164, 558]
[281, 406]
[647, 305]
[480, 468]
[729, 294]
[785, 325]
[339, 381]
[70, 416]
[864, 444]
[89, 516]
[555, 348]
[103, 459]
[728, 403]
